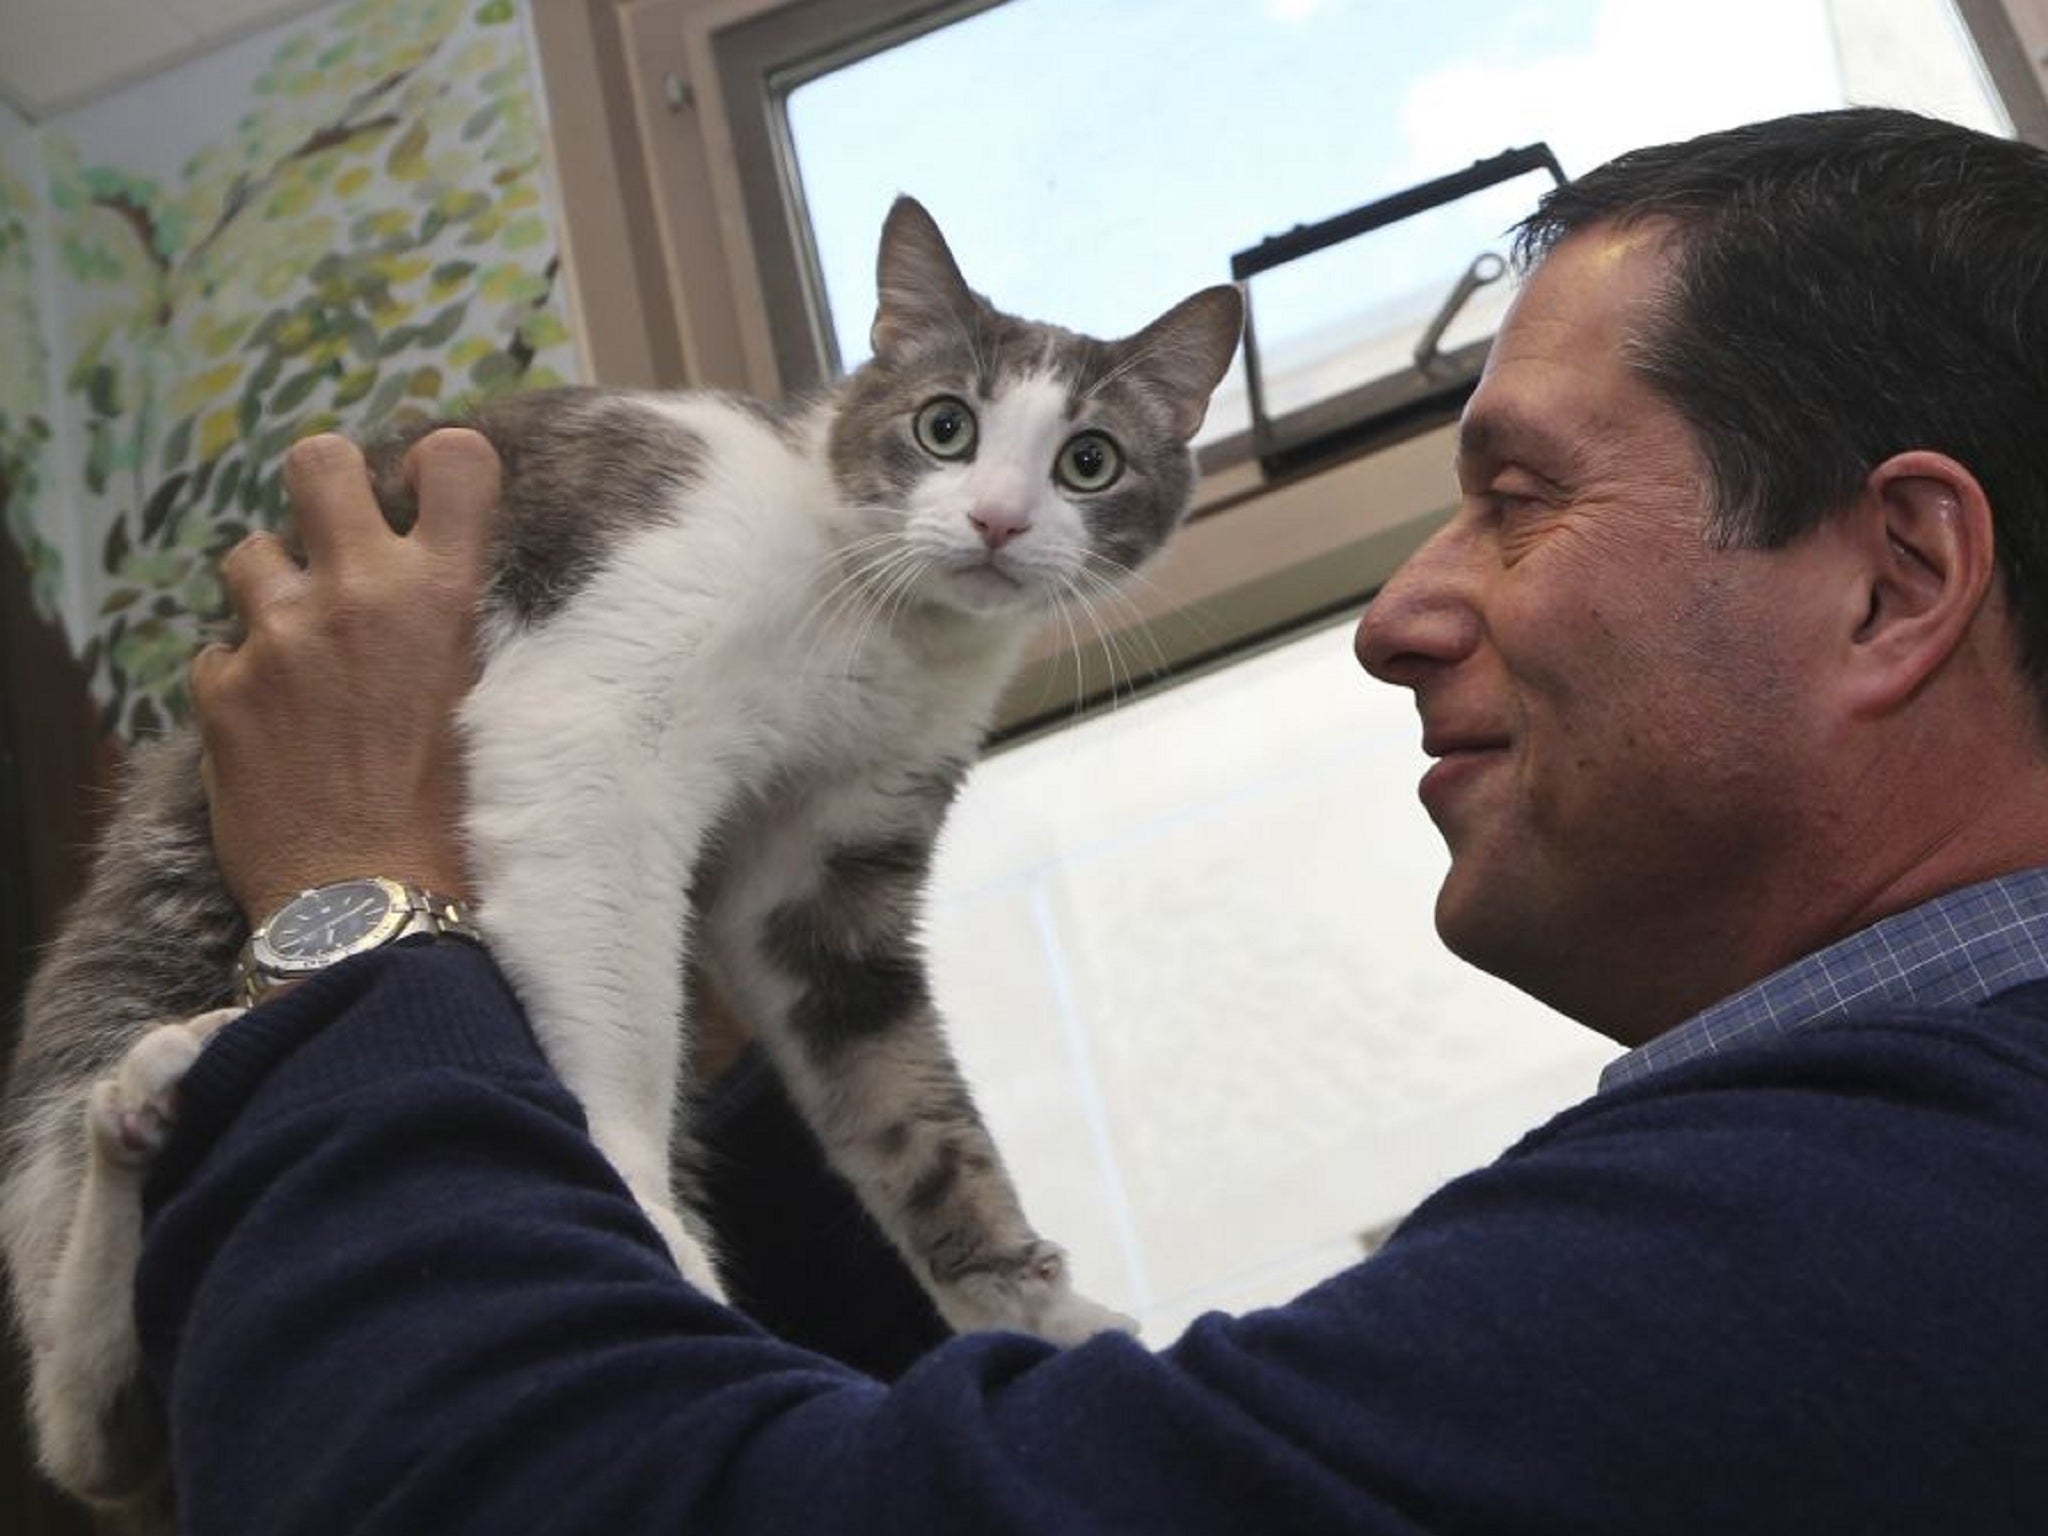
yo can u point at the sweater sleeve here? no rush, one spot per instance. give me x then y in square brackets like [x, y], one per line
[389, 1286]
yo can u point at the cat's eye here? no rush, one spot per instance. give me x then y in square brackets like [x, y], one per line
[1089, 462]
[945, 428]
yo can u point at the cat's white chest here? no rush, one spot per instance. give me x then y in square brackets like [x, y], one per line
[733, 638]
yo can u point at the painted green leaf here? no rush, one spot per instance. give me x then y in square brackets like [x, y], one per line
[201, 593]
[461, 204]
[270, 497]
[266, 374]
[407, 162]
[524, 234]
[99, 446]
[480, 122]
[354, 386]
[178, 443]
[543, 328]
[276, 438]
[388, 394]
[492, 371]
[397, 339]
[115, 551]
[444, 325]
[103, 390]
[295, 391]
[362, 337]
[224, 487]
[219, 429]
[158, 507]
[492, 12]
[267, 329]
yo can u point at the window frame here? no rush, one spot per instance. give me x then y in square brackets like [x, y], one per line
[690, 265]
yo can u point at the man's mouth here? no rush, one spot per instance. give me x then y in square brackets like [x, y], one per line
[1458, 759]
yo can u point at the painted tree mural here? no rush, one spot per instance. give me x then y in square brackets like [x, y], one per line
[368, 242]
[24, 421]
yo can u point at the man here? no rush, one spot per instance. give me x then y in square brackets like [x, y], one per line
[1731, 659]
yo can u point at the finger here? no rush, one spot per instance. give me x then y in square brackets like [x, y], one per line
[455, 477]
[203, 676]
[257, 572]
[329, 487]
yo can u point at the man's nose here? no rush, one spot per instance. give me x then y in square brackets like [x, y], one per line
[1424, 617]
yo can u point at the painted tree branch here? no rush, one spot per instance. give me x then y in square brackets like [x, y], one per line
[143, 222]
[139, 218]
[335, 134]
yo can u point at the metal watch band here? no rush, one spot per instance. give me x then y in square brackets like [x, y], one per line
[428, 914]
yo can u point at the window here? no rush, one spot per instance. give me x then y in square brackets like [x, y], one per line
[1092, 163]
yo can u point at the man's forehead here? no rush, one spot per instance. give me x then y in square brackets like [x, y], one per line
[1559, 377]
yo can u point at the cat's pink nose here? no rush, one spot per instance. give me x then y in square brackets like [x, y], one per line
[998, 525]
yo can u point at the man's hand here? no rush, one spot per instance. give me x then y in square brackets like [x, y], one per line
[330, 736]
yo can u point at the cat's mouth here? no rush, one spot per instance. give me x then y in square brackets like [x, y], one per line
[988, 583]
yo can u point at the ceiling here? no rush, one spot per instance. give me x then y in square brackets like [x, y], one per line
[60, 54]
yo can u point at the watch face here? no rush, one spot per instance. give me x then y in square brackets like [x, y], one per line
[324, 923]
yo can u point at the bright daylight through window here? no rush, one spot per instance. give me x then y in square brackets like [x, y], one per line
[1091, 161]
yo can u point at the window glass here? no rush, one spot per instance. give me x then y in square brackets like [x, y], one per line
[1186, 954]
[1091, 163]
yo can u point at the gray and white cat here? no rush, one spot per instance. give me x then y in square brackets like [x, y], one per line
[737, 663]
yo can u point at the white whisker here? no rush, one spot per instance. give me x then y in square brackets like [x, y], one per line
[877, 556]
[1133, 620]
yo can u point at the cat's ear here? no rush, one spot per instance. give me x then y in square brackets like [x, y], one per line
[918, 286]
[1186, 351]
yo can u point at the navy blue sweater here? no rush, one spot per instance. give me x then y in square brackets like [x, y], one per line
[388, 1286]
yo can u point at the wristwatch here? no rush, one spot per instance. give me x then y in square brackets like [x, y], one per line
[329, 923]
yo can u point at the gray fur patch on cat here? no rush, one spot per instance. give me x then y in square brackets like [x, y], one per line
[566, 510]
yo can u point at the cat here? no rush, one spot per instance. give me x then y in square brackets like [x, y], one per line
[737, 660]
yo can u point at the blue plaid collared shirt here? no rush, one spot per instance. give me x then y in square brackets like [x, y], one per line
[1956, 949]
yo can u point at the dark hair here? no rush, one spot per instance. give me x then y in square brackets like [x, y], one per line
[1847, 286]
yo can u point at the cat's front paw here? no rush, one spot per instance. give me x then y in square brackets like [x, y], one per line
[1069, 1317]
[129, 1114]
[1029, 1292]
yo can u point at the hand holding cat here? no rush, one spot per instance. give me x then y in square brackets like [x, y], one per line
[330, 735]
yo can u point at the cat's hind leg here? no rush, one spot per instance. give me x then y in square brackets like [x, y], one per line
[98, 1429]
[814, 932]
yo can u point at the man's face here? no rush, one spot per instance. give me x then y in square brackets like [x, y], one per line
[1614, 704]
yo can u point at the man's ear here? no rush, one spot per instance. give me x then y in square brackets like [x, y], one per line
[1927, 566]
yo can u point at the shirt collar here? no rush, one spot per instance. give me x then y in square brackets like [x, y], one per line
[1955, 950]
